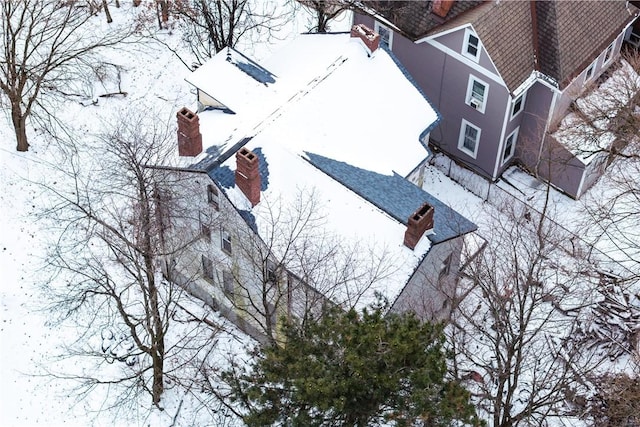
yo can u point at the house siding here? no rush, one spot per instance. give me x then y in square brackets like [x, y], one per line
[444, 80]
[578, 85]
[426, 294]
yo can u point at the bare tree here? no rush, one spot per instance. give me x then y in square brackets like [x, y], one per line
[513, 334]
[210, 25]
[325, 11]
[285, 264]
[46, 45]
[113, 253]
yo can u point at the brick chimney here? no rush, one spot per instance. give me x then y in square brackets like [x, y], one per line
[248, 175]
[420, 222]
[441, 7]
[189, 136]
[370, 38]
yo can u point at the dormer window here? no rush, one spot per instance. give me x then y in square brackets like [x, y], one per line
[386, 35]
[471, 46]
[477, 91]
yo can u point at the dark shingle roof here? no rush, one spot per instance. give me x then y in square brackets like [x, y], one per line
[573, 33]
[414, 18]
[570, 34]
[396, 196]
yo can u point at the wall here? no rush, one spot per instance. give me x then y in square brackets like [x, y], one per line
[444, 80]
[576, 87]
[426, 294]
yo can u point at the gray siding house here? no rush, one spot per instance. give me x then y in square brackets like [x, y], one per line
[296, 211]
[503, 75]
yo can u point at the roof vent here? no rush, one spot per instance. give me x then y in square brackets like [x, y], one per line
[420, 222]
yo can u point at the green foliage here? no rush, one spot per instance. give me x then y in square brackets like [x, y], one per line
[353, 369]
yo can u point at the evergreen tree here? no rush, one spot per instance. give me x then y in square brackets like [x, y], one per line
[357, 369]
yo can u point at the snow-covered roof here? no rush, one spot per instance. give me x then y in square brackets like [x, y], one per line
[342, 125]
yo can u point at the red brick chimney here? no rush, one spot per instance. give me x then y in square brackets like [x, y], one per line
[248, 175]
[420, 222]
[441, 7]
[370, 38]
[189, 136]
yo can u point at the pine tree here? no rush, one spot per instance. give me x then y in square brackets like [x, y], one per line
[351, 368]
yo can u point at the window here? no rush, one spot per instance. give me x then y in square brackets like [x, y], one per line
[469, 138]
[477, 91]
[205, 231]
[227, 283]
[213, 196]
[226, 241]
[471, 47]
[518, 104]
[207, 268]
[509, 146]
[445, 268]
[386, 35]
[589, 72]
[609, 52]
[270, 272]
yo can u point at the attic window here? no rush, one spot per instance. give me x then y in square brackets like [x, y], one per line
[386, 35]
[471, 46]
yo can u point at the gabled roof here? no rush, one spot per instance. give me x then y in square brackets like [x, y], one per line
[568, 34]
[414, 18]
[395, 196]
[571, 34]
[362, 119]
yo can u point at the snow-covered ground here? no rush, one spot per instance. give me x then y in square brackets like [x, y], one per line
[29, 342]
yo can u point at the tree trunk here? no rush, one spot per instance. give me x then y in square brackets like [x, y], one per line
[20, 126]
[105, 6]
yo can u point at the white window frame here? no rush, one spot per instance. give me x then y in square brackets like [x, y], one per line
[513, 135]
[590, 71]
[225, 241]
[461, 138]
[522, 98]
[465, 47]
[608, 54]
[469, 98]
[377, 26]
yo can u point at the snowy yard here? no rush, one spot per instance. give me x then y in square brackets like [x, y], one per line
[32, 347]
